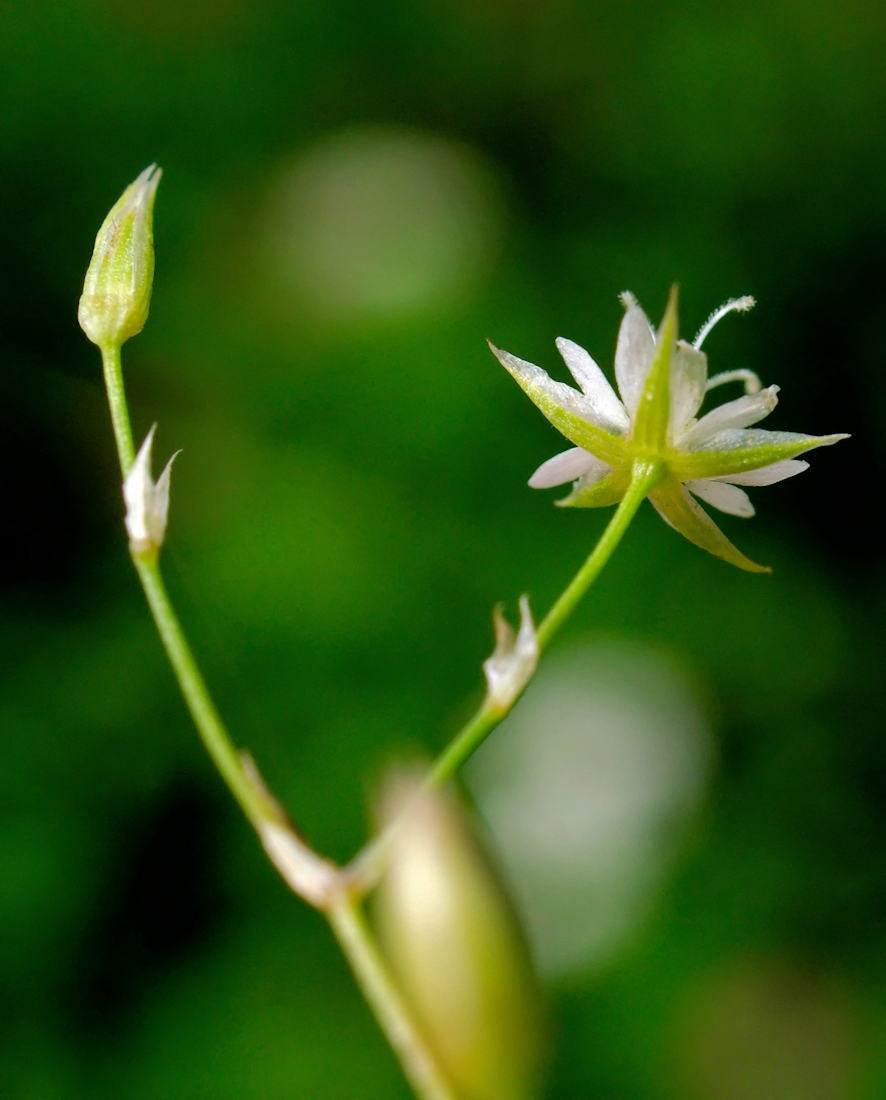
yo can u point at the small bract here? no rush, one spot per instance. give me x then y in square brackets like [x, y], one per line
[147, 501]
[662, 382]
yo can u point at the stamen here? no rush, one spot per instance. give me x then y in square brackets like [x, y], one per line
[752, 383]
[739, 305]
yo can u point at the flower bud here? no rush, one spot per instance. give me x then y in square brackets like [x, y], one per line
[117, 289]
[457, 950]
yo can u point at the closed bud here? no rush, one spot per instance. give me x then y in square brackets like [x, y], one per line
[456, 947]
[117, 289]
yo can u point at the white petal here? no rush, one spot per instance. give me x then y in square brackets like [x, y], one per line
[634, 353]
[740, 413]
[689, 372]
[728, 498]
[566, 466]
[594, 384]
[769, 475]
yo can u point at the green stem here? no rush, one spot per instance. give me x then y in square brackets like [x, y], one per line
[644, 477]
[258, 807]
[193, 687]
[117, 402]
[368, 866]
[472, 735]
[377, 985]
[340, 908]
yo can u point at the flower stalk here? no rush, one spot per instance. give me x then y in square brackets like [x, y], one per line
[316, 880]
[647, 441]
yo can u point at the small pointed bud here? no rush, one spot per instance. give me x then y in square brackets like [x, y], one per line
[147, 502]
[117, 289]
[457, 950]
[514, 659]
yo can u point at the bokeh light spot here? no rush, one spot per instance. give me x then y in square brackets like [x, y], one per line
[586, 790]
[381, 221]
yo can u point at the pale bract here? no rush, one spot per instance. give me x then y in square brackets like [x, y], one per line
[147, 501]
[513, 662]
[662, 383]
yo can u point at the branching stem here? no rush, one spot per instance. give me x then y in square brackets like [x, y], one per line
[336, 892]
[367, 867]
[316, 880]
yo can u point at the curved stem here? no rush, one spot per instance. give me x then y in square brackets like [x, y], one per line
[366, 868]
[259, 808]
[478, 728]
[644, 477]
[316, 880]
[377, 985]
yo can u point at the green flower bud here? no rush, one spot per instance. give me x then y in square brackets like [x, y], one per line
[117, 289]
[457, 950]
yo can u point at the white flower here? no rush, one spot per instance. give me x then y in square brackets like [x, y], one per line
[147, 502]
[662, 382]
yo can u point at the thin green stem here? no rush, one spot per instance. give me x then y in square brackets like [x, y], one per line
[368, 866]
[299, 866]
[193, 687]
[465, 742]
[644, 477]
[117, 402]
[258, 807]
[478, 728]
[354, 938]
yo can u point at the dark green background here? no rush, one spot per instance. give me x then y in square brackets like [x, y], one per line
[351, 501]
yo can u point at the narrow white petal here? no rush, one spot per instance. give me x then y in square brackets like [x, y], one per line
[728, 498]
[594, 384]
[566, 466]
[689, 372]
[740, 413]
[138, 492]
[634, 353]
[769, 475]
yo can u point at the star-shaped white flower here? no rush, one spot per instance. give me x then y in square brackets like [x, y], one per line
[662, 383]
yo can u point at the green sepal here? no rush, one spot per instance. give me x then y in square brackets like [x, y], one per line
[676, 506]
[562, 406]
[600, 494]
[653, 412]
[738, 450]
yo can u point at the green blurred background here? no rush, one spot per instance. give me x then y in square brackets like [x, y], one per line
[690, 800]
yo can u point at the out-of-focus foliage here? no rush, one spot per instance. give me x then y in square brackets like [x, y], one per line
[353, 198]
